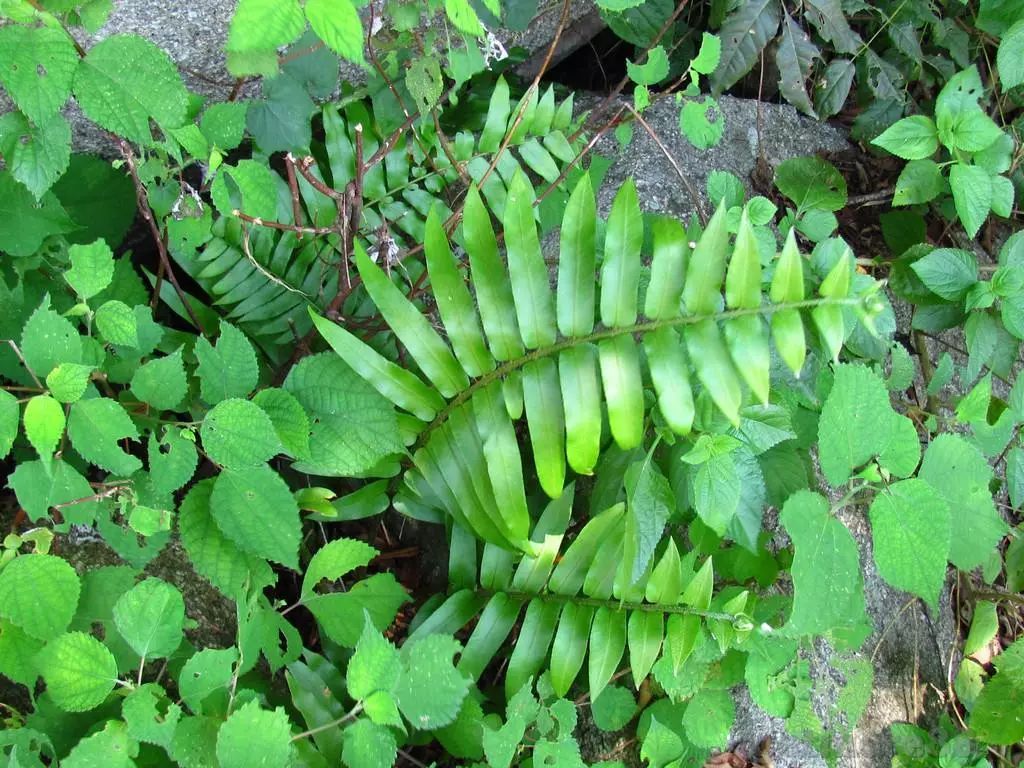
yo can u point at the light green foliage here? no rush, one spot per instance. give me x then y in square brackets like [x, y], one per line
[828, 590]
[237, 434]
[150, 715]
[368, 745]
[161, 382]
[95, 426]
[430, 690]
[92, 268]
[910, 527]
[708, 718]
[252, 736]
[996, 716]
[79, 671]
[150, 617]
[68, 381]
[38, 92]
[228, 369]
[124, 82]
[44, 425]
[858, 425]
[39, 593]
[116, 323]
[254, 508]
[338, 25]
[111, 747]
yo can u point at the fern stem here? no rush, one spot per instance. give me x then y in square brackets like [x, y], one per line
[509, 366]
[617, 605]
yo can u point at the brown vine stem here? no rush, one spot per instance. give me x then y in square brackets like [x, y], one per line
[282, 226]
[147, 214]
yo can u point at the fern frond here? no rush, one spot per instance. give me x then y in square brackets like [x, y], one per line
[581, 600]
[534, 350]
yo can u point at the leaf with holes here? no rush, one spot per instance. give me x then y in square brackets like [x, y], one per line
[95, 426]
[38, 68]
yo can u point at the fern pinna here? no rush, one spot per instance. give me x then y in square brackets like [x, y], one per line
[517, 348]
[585, 598]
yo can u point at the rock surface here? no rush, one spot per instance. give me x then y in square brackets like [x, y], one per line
[783, 133]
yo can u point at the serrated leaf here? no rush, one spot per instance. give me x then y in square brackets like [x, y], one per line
[341, 613]
[48, 339]
[858, 424]
[39, 594]
[430, 690]
[828, 591]
[708, 56]
[257, 29]
[795, 59]
[709, 717]
[79, 671]
[68, 381]
[291, 424]
[150, 618]
[228, 369]
[744, 34]
[352, 426]
[972, 195]
[337, 23]
[910, 532]
[919, 182]
[39, 64]
[334, 560]
[375, 665]
[213, 555]
[95, 427]
[117, 323]
[36, 154]
[18, 654]
[27, 222]
[252, 736]
[205, 672]
[649, 503]
[368, 745]
[702, 122]
[961, 475]
[652, 71]
[947, 272]
[249, 187]
[10, 415]
[124, 82]
[237, 434]
[912, 138]
[44, 425]
[254, 508]
[811, 183]
[38, 490]
[150, 716]
[161, 382]
[1010, 57]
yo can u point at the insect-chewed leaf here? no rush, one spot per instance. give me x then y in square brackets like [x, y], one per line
[706, 268]
[409, 324]
[714, 369]
[576, 258]
[527, 270]
[493, 291]
[453, 300]
[671, 375]
[623, 389]
[668, 266]
[620, 271]
[581, 398]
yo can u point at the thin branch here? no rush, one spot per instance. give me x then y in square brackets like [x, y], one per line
[668, 156]
[147, 214]
[282, 226]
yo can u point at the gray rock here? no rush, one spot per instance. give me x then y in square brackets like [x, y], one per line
[784, 133]
[194, 35]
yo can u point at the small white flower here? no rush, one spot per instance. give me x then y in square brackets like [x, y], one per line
[188, 205]
[493, 50]
[388, 248]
